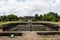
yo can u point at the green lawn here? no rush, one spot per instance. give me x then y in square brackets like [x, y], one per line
[58, 23]
[2, 23]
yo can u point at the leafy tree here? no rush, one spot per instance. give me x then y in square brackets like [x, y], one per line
[12, 17]
[36, 17]
[40, 17]
[52, 18]
[52, 13]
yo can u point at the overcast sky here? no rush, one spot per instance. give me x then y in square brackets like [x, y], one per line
[28, 7]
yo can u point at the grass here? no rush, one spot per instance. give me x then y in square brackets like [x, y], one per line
[45, 39]
[57, 23]
[25, 28]
[22, 28]
[2, 23]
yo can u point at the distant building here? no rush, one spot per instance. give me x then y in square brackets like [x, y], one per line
[26, 18]
[22, 19]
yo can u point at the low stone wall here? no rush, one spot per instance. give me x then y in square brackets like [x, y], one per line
[1, 28]
[10, 32]
[6, 27]
[48, 33]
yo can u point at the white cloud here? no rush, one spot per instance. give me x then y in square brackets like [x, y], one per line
[28, 7]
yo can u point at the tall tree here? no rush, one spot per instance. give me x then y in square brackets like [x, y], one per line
[40, 17]
[36, 17]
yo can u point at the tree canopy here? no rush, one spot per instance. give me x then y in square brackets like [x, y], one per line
[50, 16]
[10, 17]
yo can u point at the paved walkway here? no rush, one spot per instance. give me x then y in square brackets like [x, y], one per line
[26, 36]
[29, 35]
